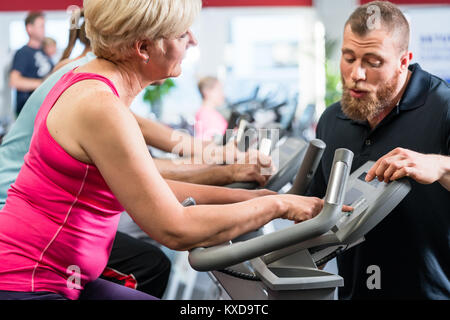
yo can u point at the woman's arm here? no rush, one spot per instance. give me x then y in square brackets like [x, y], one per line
[167, 139]
[111, 138]
[183, 144]
[214, 195]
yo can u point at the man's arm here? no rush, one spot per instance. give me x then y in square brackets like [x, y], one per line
[423, 168]
[18, 82]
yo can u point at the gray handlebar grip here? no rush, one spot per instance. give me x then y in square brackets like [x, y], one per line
[342, 164]
[308, 168]
[219, 257]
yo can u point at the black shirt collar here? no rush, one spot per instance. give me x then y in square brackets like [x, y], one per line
[415, 94]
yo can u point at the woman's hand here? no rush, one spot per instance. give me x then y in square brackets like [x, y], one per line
[299, 208]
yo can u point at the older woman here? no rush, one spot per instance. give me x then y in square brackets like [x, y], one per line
[88, 162]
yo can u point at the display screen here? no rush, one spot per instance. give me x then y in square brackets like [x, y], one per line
[373, 183]
[351, 196]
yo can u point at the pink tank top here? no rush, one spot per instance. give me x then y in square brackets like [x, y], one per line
[60, 218]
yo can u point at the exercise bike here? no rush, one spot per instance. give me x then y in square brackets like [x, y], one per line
[285, 264]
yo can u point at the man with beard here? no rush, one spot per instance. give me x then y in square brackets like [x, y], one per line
[398, 115]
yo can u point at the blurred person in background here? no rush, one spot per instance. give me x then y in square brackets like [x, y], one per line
[30, 64]
[208, 121]
[50, 48]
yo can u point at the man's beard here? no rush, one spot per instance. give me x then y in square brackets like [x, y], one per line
[371, 105]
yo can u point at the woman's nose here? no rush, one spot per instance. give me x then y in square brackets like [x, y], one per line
[192, 40]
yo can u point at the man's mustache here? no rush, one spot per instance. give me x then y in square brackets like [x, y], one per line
[353, 86]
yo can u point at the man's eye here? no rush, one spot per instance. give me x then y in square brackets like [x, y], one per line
[349, 60]
[375, 64]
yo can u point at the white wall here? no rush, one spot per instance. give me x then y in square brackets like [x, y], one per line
[430, 42]
[333, 14]
[5, 61]
[213, 30]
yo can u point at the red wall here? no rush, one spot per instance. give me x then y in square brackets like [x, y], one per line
[26, 5]
[259, 3]
[405, 2]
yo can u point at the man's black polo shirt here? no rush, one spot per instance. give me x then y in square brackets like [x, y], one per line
[411, 245]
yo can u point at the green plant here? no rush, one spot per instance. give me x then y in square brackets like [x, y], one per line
[333, 91]
[154, 94]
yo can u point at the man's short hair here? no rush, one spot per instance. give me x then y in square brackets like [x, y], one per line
[206, 83]
[32, 16]
[391, 18]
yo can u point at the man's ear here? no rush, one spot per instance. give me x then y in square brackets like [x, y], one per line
[405, 60]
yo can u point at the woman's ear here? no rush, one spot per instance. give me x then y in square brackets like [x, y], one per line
[141, 48]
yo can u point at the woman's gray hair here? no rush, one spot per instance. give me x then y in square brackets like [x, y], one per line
[113, 26]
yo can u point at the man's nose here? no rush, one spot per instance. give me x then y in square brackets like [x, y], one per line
[358, 73]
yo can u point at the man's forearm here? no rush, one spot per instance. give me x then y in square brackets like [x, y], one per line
[194, 173]
[21, 83]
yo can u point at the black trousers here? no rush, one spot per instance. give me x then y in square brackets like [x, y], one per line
[138, 264]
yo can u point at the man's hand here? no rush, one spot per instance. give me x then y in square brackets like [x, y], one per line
[18, 82]
[423, 168]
